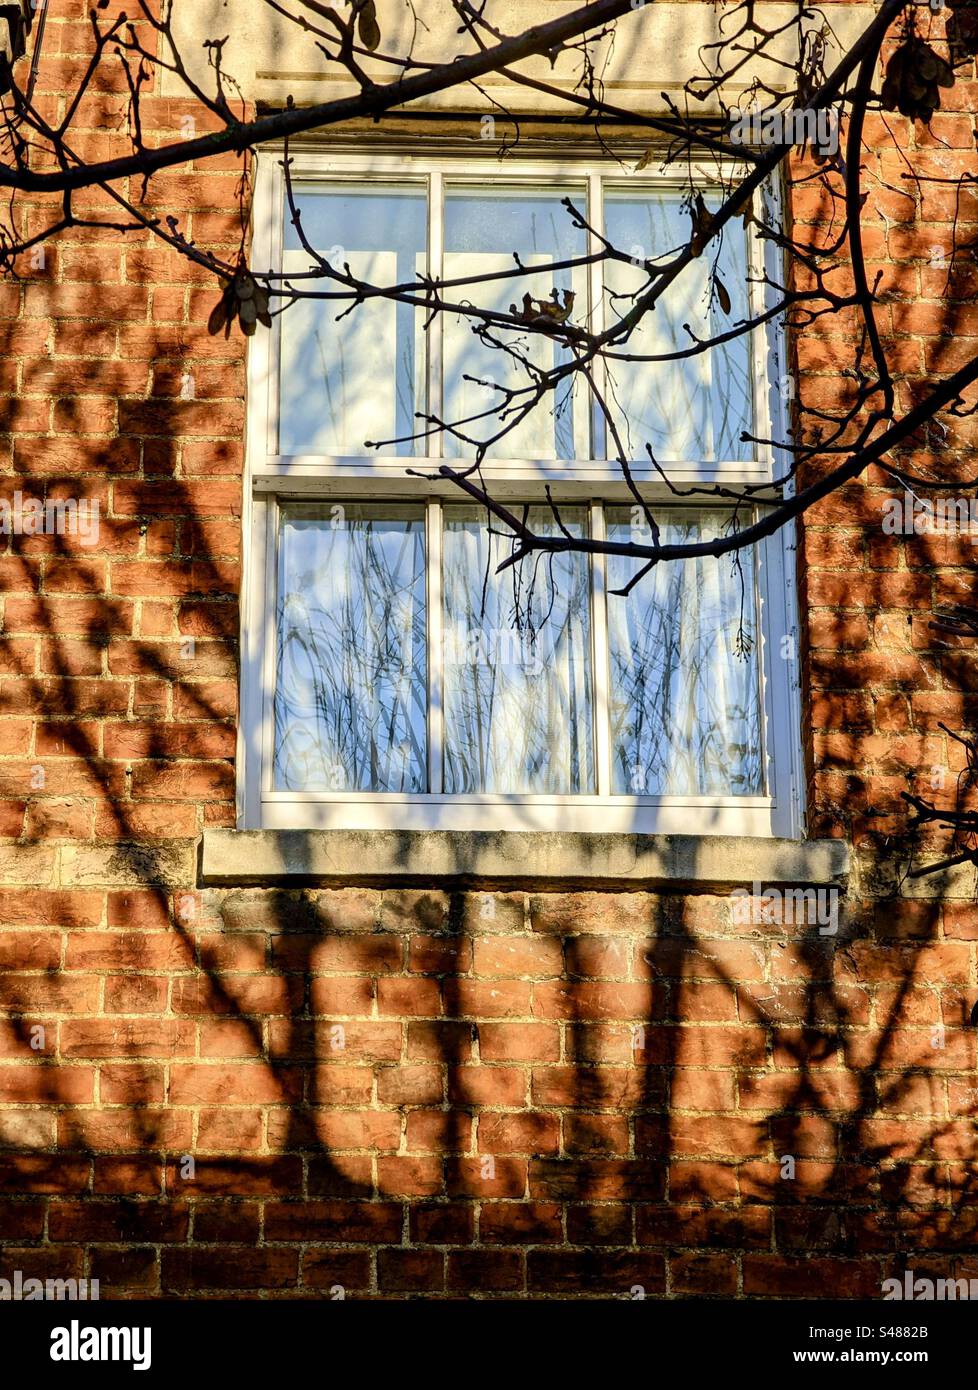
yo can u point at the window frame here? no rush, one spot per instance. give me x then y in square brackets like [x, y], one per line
[273, 479]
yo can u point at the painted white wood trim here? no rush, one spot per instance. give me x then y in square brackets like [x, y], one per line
[272, 476]
[582, 815]
[786, 706]
[595, 213]
[434, 625]
[435, 335]
[358, 471]
[269, 651]
[599, 655]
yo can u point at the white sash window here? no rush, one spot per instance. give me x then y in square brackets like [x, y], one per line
[392, 679]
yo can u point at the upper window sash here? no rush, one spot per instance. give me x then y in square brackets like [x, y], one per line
[596, 182]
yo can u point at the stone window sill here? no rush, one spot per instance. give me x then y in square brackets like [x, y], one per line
[517, 858]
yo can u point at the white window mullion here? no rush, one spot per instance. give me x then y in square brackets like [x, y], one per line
[435, 333]
[268, 657]
[600, 660]
[768, 366]
[272, 211]
[436, 718]
[599, 443]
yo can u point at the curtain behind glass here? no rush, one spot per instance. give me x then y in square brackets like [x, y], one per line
[483, 230]
[685, 717]
[694, 408]
[351, 687]
[517, 661]
[344, 380]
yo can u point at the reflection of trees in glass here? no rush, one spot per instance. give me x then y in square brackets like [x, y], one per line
[351, 688]
[684, 695]
[518, 662]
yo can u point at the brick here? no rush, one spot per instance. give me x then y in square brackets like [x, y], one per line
[126, 1038]
[486, 1177]
[444, 1223]
[519, 1042]
[508, 956]
[201, 1269]
[568, 913]
[605, 1271]
[413, 1085]
[487, 1085]
[527, 1133]
[517, 1223]
[350, 1222]
[402, 1270]
[415, 997]
[234, 1083]
[772, 1275]
[438, 1132]
[492, 1271]
[597, 1179]
[410, 1177]
[332, 1269]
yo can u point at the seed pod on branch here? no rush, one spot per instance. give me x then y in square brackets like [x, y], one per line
[242, 299]
[914, 76]
[367, 26]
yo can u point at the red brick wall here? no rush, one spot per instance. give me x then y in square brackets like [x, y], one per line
[542, 1094]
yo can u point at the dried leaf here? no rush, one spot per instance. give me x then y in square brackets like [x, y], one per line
[368, 27]
[702, 220]
[745, 209]
[722, 294]
[261, 304]
[219, 316]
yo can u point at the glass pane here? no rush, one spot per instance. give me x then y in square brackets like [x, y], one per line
[696, 408]
[517, 655]
[685, 717]
[361, 378]
[482, 232]
[351, 688]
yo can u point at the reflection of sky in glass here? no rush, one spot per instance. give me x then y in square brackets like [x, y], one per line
[685, 715]
[351, 687]
[696, 408]
[343, 383]
[482, 231]
[517, 694]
